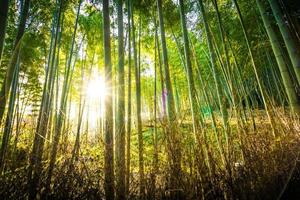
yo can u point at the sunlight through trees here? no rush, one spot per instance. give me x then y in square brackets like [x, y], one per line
[149, 99]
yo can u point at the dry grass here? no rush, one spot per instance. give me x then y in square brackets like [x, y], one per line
[257, 166]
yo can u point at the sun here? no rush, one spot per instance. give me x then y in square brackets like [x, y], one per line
[96, 89]
[96, 93]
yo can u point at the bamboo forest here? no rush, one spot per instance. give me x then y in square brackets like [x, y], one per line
[150, 99]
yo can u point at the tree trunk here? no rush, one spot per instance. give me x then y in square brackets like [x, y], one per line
[12, 65]
[138, 109]
[128, 102]
[3, 22]
[108, 120]
[120, 129]
[63, 103]
[292, 45]
[81, 108]
[189, 70]
[223, 108]
[216, 82]
[287, 81]
[262, 92]
[35, 168]
[162, 82]
[173, 140]
[9, 119]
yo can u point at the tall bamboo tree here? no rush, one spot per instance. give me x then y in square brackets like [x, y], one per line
[292, 45]
[81, 109]
[108, 118]
[189, 70]
[173, 140]
[63, 101]
[9, 118]
[35, 168]
[254, 66]
[6, 86]
[120, 125]
[3, 22]
[213, 64]
[274, 40]
[138, 105]
[161, 76]
[128, 130]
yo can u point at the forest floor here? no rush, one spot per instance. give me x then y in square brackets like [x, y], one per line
[270, 170]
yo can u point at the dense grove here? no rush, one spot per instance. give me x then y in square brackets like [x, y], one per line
[149, 99]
